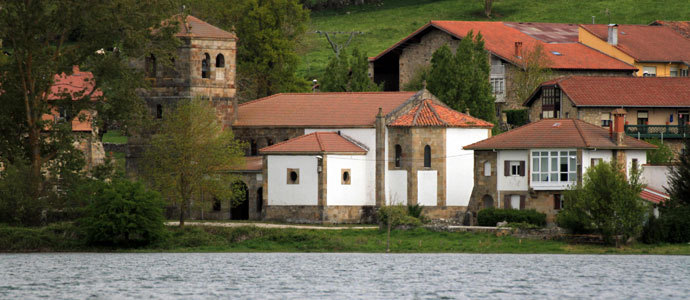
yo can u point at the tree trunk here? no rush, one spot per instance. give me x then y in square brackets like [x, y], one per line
[388, 238]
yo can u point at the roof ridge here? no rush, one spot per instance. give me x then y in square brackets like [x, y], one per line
[579, 131]
[285, 141]
[418, 109]
[433, 110]
[318, 140]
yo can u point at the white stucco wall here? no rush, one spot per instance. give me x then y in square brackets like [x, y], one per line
[460, 164]
[587, 156]
[656, 177]
[366, 136]
[512, 183]
[641, 157]
[282, 193]
[354, 193]
[396, 183]
[427, 184]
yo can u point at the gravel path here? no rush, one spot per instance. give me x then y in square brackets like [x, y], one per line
[269, 225]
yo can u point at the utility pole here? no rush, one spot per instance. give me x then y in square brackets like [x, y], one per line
[337, 48]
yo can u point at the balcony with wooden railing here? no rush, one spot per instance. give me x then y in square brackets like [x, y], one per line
[658, 131]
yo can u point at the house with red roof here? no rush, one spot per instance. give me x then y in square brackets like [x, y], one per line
[529, 167]
[336, 157]
[507, 44]
[657, 107]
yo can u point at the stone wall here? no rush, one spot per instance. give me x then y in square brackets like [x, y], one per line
[419, 51]
[484, 186]
[321, 215]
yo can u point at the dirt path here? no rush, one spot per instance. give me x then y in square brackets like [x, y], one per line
[268, 225]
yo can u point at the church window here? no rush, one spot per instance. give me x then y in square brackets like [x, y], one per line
[159, 111]
[398, 154]
[292, 176]
[427, 156]
[345, 176]
[220, 61]
[205, 68]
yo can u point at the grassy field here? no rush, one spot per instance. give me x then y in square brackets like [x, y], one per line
[114, 137]
[65, 237]
[385, 24]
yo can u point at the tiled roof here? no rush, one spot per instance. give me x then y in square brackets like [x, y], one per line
[316, 142]
[322, 110]
[647, 43]
[431, 114]
[77, 85]
[653, 195]
[251, 163]
[500, 38]
[197, 28]
[682, 27]
[624, 91]
[548, 32]
[557, 133]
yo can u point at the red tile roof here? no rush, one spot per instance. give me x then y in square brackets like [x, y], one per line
[623, 91]
[432, 114]
[500, 39]
[653, 195]
[647, 43]
[316, 142]
[682, 27]
[548, 32]
[557, 133]
[322, 110]
[197, 28]
[77, 85]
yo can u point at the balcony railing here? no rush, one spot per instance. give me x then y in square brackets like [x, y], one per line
[658, 131]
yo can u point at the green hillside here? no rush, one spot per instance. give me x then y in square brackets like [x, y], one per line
[385, 24]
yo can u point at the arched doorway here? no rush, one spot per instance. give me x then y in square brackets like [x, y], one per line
[240, 203]
[259, 199]
[487, 201]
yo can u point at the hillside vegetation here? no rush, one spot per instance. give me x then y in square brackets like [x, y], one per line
[386, 23]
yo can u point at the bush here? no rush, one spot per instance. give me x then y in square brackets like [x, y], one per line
[661, 155]
[17, 206]
[574, 221]
[126, 214]
[653, 231]
[491, 216]
[517, 117]
[399, 216]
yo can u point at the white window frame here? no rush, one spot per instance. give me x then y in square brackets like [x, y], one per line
[649, 71]
[550, 176]
[514, 168]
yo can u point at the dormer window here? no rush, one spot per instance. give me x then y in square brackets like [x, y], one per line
[205, 69]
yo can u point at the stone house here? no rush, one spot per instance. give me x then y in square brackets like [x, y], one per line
[506, 44]
[335, 157]
[656, 51]
[530, 166]
[656, 107]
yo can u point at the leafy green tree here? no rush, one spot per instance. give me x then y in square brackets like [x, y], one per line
[607, 203]
[46, 38]
[533, 70]
[192, 153]
[661, 155]
[351, 74]
[124, 213]
[461, 80]
[269, 33]
[679, 179]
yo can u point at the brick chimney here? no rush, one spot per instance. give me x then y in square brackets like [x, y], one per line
[613, 34]
[518, 49]
[618, 126]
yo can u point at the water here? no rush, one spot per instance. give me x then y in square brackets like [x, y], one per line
[341, 276]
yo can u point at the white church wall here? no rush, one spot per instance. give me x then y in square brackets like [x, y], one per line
[512, 183]
[396, 187]
[367, 137]
[427, 184]
[282, 193]
[460, 164]
[340, 192]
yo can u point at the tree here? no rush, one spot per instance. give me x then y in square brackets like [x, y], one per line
[607, 203]
[268, 32]
[534, 69]
[661, 155]
[191, 153]
[679, 179]
[462, 80]
[351, 74]
[488, 5]
[48, 38]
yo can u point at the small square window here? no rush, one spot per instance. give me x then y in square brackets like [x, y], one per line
[515, 168]
[292, 176]
[345, 176]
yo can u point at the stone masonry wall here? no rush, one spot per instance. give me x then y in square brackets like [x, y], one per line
[418, 55]
[483, 185]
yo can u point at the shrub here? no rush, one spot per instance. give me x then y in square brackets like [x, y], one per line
[653, 231]
[398, 215]
[491, 216]
[573, 221]
[124, 213]
[17, 206]
[661, 155]
[517, 117]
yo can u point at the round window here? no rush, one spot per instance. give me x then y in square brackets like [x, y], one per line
[346, 176]
[293, 176]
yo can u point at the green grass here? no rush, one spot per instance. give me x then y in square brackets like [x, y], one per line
[385, 25]
[114, 137]
[66, 237]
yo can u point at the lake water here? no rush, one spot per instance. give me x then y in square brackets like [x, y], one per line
[341, 276]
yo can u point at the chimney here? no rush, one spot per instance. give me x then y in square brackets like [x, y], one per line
[613, 34]
[518, 49]
[618, 126]
[467, 111]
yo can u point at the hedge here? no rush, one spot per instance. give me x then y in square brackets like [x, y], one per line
[517, 117]
[491, 216]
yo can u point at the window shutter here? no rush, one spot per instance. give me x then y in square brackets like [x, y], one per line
[522, 168]
[506, 202]
[556, 201]
[522, 202]
[506, 168]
